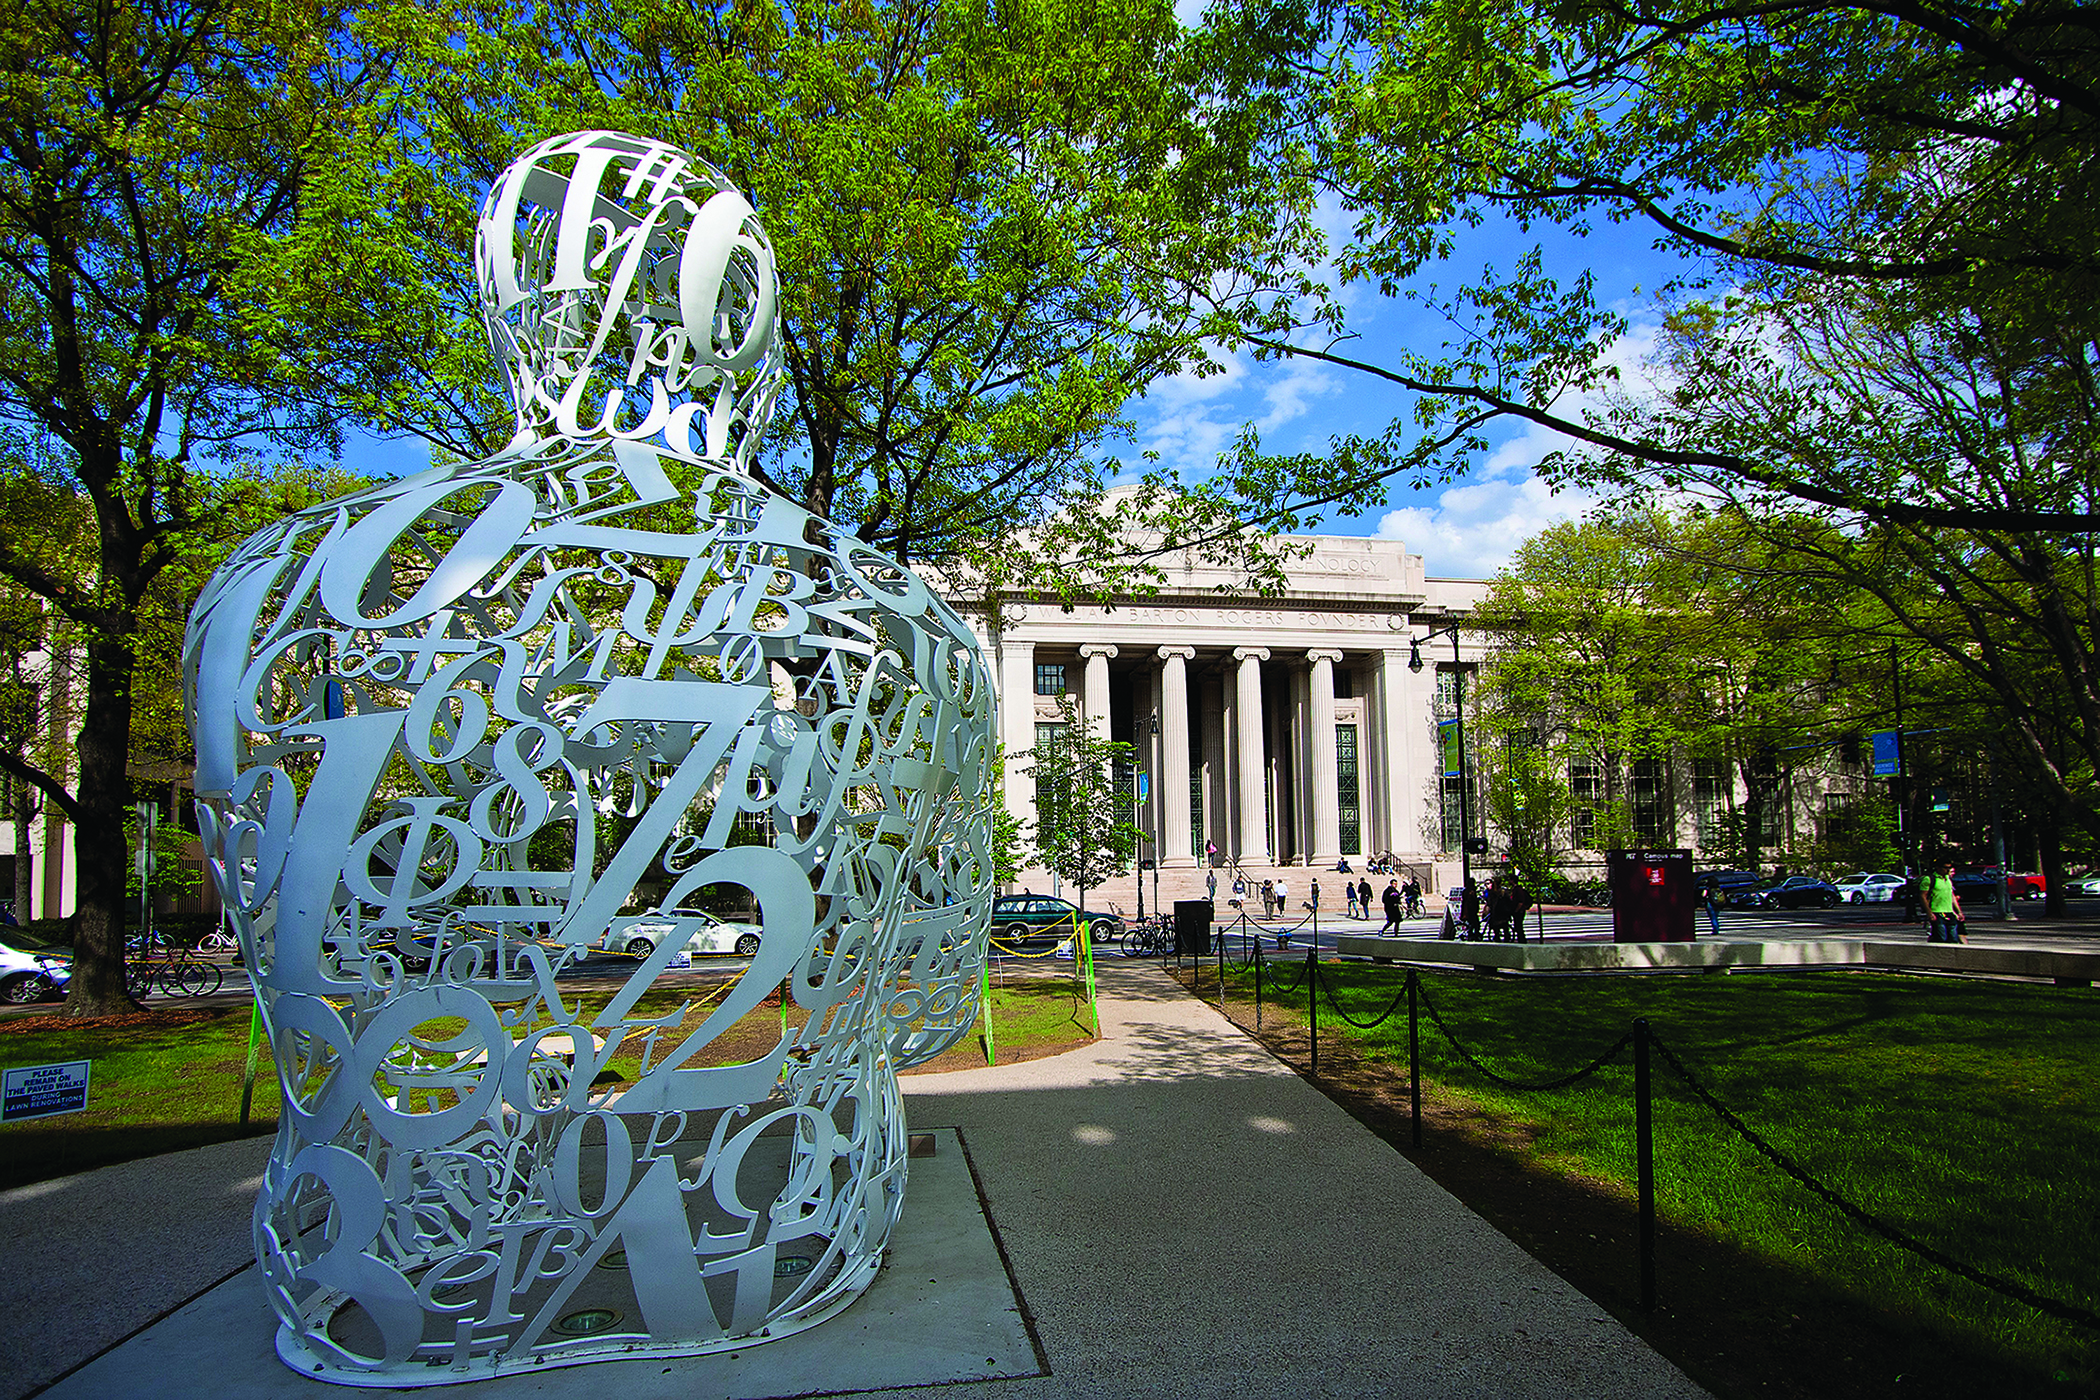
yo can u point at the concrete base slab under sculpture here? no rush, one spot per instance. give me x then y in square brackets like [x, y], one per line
[943, 1310]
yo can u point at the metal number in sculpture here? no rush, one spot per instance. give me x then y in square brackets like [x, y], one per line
[455, 729]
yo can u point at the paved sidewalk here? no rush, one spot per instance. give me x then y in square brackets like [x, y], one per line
[1183, 1216]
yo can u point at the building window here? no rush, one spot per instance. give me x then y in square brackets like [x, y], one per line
[1453, 814]
[752, 829]
[1711, 790]
[1344, 684]
[1049, 677]
[1345, 789]
[1651, 825]
[1446, 691]
[1585, 786]
[1840, 814]
[1196, 827]
[1047, 739]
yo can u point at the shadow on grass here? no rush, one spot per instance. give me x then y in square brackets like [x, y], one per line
[39, 1153]
[1738, 1323]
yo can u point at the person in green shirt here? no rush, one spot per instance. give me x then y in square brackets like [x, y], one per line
[1943, 917]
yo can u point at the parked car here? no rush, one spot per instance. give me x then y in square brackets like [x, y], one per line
[31, 977]
[1036, 916]
[703, 933]
[1794, 892]
[1980, 882]
[1865, 888]
[2084, 885]
[1730, 883]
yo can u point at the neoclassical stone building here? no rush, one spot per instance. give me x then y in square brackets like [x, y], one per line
[1284, 730]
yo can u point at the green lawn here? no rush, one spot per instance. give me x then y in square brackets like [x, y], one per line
[1964, 1113]
[161, 1087]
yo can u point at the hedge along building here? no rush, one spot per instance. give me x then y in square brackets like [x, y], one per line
[1286, 729]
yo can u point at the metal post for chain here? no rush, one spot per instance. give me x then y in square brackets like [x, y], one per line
[1644, 1136]
[1221, 962]
[1312, 997]
[1257, 978]
[1414, 1053]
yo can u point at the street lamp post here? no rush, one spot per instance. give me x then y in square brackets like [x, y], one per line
[1465, 779]
[1137, 799]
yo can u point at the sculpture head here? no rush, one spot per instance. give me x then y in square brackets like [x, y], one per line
[628, 290]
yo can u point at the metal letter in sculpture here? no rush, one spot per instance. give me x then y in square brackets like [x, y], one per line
[455, 730]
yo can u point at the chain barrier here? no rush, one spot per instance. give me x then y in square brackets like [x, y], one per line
[1270, 973]
[1561, 1083]
[1383, 1016]
[2065, 1312]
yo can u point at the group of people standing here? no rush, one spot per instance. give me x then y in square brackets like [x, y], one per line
[1503, 905]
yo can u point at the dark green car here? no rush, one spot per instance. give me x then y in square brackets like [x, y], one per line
[1038, 916]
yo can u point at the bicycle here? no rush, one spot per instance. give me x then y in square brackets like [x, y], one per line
[1152, 937]
[181, 972]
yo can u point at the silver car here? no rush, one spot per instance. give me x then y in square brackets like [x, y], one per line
[1865, 888]
[702, 932]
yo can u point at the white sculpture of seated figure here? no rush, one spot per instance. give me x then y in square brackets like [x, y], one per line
[456, 729]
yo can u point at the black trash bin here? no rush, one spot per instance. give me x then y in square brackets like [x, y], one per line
[1192, 921]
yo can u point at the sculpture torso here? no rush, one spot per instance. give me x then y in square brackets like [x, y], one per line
[453, 731]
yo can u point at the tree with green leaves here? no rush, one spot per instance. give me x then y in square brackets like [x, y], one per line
[988, 222]
[1653, 635]
[1934, 152]
[149, 160]
[1084, 832]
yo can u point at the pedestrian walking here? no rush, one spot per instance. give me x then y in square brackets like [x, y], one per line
[1469, 910]
[1363, 897]
[1712, 901]
[1210, 854]
[1393, 900]
[1283, 897]
[1268, 899]
[1943, 919]
[1349, 891]
[1210, 886]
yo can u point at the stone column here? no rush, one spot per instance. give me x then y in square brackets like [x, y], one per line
[1326, 798]
[1174, 758]
[1097, 655]
[1252, 758]
[1402, 798]
[1220, 746]
[1017, 724]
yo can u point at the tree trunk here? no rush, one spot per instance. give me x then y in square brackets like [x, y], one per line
[2051, 838]
[24, 813]
[99, 854]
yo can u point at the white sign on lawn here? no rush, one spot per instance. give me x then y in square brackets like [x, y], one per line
[42, 1091]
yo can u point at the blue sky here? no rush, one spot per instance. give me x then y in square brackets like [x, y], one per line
[1467, 529]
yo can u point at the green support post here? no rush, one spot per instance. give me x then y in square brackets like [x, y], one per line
[1093, 995]
[984, 1012]
[254, 1047]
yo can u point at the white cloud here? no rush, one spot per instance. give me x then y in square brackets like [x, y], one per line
[1189, 421]
[1472, 530]
[1287, 395]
